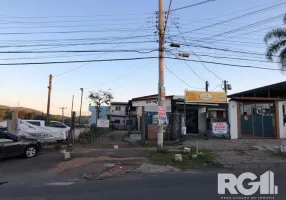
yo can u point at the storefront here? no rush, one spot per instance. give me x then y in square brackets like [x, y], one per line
[258, 113]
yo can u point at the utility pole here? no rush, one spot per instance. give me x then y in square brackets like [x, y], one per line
[207, 86]
[80, 107]
[49, 99]
[207, 115]
[72, 104]
[63, 113]
[161, 88]
[226, 110]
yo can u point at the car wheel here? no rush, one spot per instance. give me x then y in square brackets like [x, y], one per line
[30, 151]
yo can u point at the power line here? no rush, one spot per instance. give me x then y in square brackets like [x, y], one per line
[79, 39]
[78, 61]
[238, 17]
[242, 10]
[50, 22]
[56, 32]
[236, 58]
[128, 37]
[227, 64]
[81, 51]
[245, 27]
[192, 5]
[112, 81]
[138, 58]
[180, 78]
[227, 50]
[216, 87]
[168, 14]
[189, 67]
[196, 54]
[73, 44]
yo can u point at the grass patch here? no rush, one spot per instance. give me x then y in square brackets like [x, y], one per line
[282, 155]
[166, 157]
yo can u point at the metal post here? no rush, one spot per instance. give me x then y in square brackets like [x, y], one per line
[72, 105]
[79, 120]
[161, 89]
[49, 100]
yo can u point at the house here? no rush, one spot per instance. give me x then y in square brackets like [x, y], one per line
[258, 113]
[103, 114]
[196, 113]
[118, 115]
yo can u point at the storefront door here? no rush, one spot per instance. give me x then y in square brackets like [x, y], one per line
[257, 119]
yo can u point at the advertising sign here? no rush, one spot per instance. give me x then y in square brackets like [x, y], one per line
[103, 123]
[219, 128]
[162, 116]
[205, 97]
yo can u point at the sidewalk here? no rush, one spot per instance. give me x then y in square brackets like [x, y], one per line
[243, 153]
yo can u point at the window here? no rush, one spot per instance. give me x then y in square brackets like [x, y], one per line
[219, 114]
[118, 108]
[34, 123]
[57, 125]
[117, 121]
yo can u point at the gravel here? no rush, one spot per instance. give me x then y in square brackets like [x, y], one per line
[150, 168]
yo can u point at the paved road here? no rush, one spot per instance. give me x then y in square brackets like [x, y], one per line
[201, 186]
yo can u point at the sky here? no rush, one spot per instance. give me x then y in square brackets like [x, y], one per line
[114, 25]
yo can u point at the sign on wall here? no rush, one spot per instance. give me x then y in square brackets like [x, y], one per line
[219, 128]
[205, 97]
[151, 105]
[162, 116]
[103, 123]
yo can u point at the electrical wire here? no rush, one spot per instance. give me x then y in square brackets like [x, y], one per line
[192, 5]
[245, 27]
[228, 64]
[81, 51]
[181, 79]
[77, 61]
[234, 18]
[216, 87]
[168, 52]
[128, 37]
[133, 72]
[168, 14]
[196, 54]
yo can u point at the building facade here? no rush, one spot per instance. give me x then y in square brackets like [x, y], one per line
[258, 113]
[118, 115]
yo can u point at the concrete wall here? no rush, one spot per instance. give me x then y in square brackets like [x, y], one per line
[232, 113]
[202, 120]
[282, 126]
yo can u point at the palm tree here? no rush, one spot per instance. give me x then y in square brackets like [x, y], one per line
[276, 41]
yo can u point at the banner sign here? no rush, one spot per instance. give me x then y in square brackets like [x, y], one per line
[103, 123]
[41, 133]
[162, 116]
[205, 97]
[219, 128]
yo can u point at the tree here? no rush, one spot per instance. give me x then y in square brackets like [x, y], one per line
[276, 41]
[99, 98]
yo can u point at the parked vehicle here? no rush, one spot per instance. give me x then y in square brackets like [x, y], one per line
[13, 145]
[56, 131]
[55, 124]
